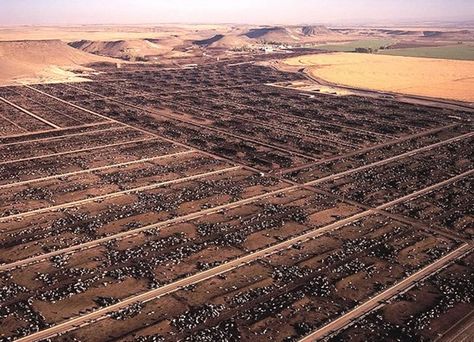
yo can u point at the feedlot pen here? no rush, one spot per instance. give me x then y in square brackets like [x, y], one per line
[206, 204]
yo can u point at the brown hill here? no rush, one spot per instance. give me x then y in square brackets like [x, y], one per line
[292, 34]
[124, 49]
[271, 34]
[220, 41]
[42, 60]
[461, 35]
[315, 30]
[209, 41]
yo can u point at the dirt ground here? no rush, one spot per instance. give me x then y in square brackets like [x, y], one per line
[101, 32]
[446, 79]
[43, 61]
[93, 250]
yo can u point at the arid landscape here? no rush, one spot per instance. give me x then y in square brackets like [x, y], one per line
[236, 182]
[436, 78]
[52, 53]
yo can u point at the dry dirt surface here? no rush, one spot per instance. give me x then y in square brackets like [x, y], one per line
[124, 48]
[204, 203]
[42, 61]
[447, 79]
[223, 199]
[103, 32]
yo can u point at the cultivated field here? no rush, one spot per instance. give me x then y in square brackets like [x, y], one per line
[446, 79]
[459, 51]
[374, 44]
[103, 32]
[206, 204]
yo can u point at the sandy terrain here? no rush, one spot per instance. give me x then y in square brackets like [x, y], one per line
[128, 49]
[446, 79]
[310, 86]
[103, 32]
[42, 61]
[298, 35]
[43, 55]
[225, 41]
[172, 183]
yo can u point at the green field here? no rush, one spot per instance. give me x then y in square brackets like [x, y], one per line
[460, 51]
[351, 46]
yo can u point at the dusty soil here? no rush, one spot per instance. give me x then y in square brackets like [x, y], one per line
[446, 79]
[43, 61]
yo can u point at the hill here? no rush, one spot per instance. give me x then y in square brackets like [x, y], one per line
[271, 34]
[461, 35]
[209, 41]
[124, 49]
[315, 30]
[293, 34]
[47, 60]
[220, 41]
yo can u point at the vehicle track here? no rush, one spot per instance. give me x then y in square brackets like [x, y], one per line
[190, 122]
[367, 149]
[236, 263]
[377, 301]
[391, 159]
[30, 113]
[115, 194]
[29, 133]
[193, 123]
[63, 136]
[110, 166]
[13, 123]
[76, 151]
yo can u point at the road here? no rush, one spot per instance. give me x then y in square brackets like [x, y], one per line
[48, 131]
[376, 301]
[30, 113]
[233, 264]
[196, 278]
[312, 120]
[462, 331]
[263, 124]
[230, 160]
[65, 136]
[13, 123]
[391, 159]
[321, 180]
[115, 194]
[367, 149]
[280, 148]
[72, 104]
[412, 99]
[227, 159]
[76, 151]
[228, 266]
[180, 219]
[133, 232]
[177, 143]
[101, 168]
